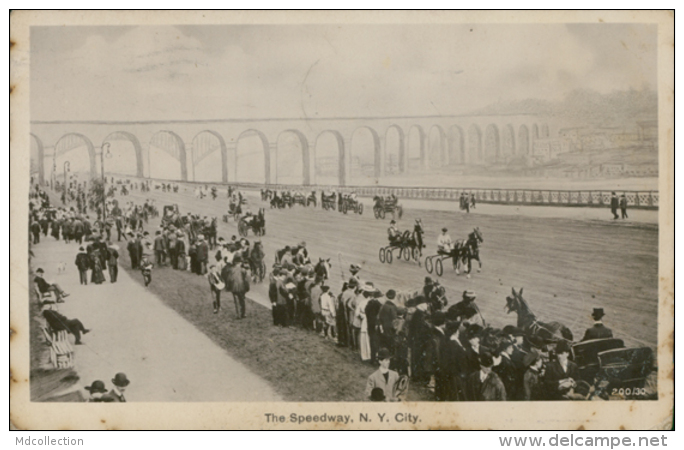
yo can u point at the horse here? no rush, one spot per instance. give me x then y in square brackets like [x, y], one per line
[414, 239]
[469, 250]
[322, 269]
[549, 332]
[210, 232]
[256, 262]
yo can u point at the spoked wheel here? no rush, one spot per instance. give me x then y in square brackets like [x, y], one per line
[407, 254]
[360, 208]
[388, 256]
[416, 254]
[428, 264]
[439, 267]
[381, 255]
[376, 213]
[381, 212]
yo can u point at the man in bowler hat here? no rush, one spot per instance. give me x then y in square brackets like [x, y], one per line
[598, 331]
[116, 395]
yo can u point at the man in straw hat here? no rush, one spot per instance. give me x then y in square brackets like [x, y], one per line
[598, 331]
[116, 395]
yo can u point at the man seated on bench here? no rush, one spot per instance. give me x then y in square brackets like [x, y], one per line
[59, 322]
[44, 287]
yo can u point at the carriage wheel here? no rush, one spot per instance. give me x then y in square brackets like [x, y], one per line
[376, 213]
[382, 213]
[416, 254]
[439, 267]
[428, 264]
[360, 208]
[389, 256]
[400, 211]
[381, 255]
[407, 254]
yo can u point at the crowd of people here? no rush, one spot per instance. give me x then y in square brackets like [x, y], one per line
[414, 335]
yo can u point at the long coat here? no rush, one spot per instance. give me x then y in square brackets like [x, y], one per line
[377, 380]
[598, 331]
[238, 280]
[555, 373]
[492, 389]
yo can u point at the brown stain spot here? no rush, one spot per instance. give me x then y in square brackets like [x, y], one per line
[103, 421]
[631, 407]
[12, 44]
[671, 375]
[594, 413]
[622, 427]
[581, 427]
[600, 20]
[13, 332]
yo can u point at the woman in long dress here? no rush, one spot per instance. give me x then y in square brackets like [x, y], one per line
[97, 276]
[364, 340]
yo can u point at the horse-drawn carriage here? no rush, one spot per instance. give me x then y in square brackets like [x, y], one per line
[171, 215]
[409, 244]
[329, 201]
[384, 205]
[256, 223]
[463, 253]
[615, 371]
[311, 199]
[350, 203]
[235, 208]
[299, 199]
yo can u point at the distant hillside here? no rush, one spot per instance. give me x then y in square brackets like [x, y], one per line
[587, 106]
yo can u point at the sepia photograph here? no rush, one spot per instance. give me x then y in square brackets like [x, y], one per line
[307, 219]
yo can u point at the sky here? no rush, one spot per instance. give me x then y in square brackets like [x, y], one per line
[291, 71]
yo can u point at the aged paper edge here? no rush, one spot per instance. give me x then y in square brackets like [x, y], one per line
[26, 415]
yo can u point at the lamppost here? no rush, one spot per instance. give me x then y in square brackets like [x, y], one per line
[104, 151]
[67, 168]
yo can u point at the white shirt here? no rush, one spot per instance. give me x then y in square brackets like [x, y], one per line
[444, 241]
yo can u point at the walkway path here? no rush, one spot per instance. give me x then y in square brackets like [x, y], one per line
[165, 357]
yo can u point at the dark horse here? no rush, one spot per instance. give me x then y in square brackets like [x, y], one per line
[413, 240]
[549, 332]
[256, 262]
[469, 250]
[210, 232]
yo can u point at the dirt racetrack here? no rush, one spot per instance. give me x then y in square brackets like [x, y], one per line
[566, 266]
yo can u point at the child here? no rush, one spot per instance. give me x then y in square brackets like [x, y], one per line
[146, 269]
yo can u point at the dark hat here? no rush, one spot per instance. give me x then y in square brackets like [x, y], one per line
[392, 221]
[512, 330]
[438, 318]
[428, 280]
[597, 313]
[383, 353]
[120, 380]
[97, 386]
[391, 294]
[353, 282]
[505, 343]
[39, 270]
[562, 347]
[354, 268]
[325, 288]
[80, 249]
[474, 331]
[411, 303]
[531, 357]
[237, 259]
[444, 230]
[469, 295]
[486, 359]
[377, 395]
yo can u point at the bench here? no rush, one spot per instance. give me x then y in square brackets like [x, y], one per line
[61, 351]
